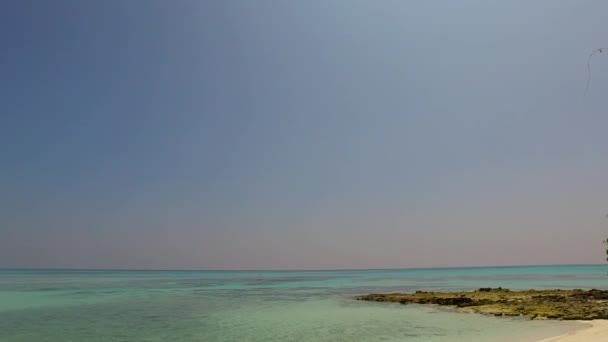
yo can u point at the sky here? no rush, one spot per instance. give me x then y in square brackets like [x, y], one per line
[309, 134]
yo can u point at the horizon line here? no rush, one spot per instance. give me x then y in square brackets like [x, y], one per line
[281, 270]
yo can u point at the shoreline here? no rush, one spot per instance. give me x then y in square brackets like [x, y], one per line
[597, 331]
[582, 306]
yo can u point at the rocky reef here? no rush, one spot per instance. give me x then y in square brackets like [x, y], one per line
[535, 304]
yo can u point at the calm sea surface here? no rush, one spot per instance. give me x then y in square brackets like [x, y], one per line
[70, 305]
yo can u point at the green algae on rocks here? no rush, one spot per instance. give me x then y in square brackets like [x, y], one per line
[535, 304]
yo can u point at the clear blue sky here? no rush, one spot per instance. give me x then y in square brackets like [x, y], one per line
[301, 134]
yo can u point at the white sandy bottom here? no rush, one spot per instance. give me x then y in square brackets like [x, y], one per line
[597, 332]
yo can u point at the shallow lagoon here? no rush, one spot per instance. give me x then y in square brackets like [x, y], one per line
[70, 305]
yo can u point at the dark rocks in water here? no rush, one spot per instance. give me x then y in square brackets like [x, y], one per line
[535, 304]
[592, 294]
[489, 289]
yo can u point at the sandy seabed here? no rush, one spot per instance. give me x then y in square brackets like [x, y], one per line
[597, 332]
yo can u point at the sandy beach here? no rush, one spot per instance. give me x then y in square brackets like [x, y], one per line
[597, 332]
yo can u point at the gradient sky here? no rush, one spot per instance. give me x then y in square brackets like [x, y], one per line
[302, 134]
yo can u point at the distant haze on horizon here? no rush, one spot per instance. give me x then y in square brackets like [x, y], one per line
[302, 134]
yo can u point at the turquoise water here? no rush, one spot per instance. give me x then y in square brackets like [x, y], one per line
[75, 305]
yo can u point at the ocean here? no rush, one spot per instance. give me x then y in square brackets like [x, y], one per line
[268, 306]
